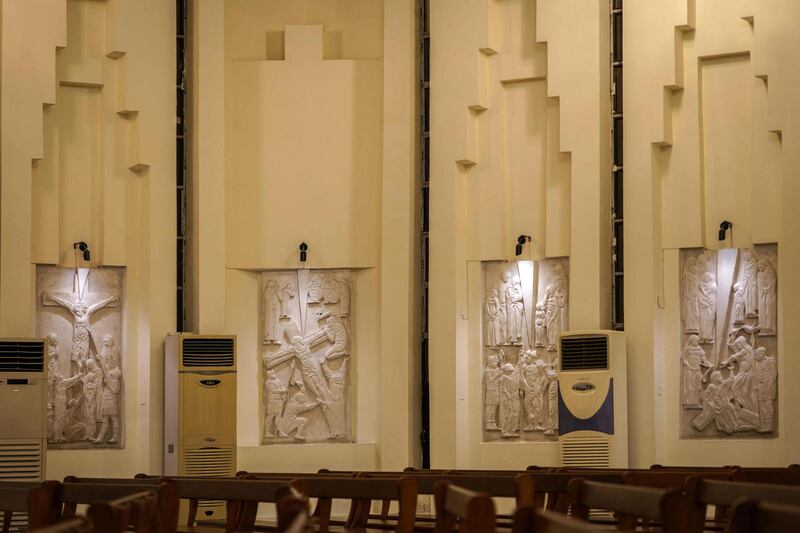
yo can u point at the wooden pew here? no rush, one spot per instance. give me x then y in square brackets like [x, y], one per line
[784, 476]
[702, 492]
[473, 511]
[292, 510]
[361, 491]
[78, 524]
[242, 497]
[663, 506]
[750, 516]
[167, 502]
[137, 512]
[529, 520]
[14, 499]
[513, 484]
[56, 501]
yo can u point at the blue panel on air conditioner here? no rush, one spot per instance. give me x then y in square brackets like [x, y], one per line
[602, 420]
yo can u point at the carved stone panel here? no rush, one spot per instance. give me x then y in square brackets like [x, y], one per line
[306, 333]
[80, 312]
[525, 307]
[729, 359]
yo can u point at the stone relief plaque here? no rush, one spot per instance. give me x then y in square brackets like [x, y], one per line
[729, 368]
[305, 335]
[80, 313]
[525, 307]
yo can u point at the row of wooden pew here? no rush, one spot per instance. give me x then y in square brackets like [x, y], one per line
[673, 499]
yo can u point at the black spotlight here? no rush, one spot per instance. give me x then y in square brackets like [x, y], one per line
[723, 229]
[303, 252]
[521, 240]
[84, 248]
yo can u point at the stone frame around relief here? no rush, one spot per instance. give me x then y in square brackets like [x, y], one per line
[70, 376]
[294, 378]
[720, 395]
[542, 283]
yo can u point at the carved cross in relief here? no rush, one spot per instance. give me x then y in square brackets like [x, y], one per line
[81, 311]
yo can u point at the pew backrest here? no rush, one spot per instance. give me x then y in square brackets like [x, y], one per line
[751, 516]
[138, 511]
[474, 511]
[641, 502]
[529, 520]
[701, 492]
[54, 501]
[73, 525]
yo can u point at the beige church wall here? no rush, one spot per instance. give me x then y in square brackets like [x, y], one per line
[304, 132]
[519, 145]
[711, 110]
[88, 155]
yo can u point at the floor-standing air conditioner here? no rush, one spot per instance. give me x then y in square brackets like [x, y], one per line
[200, 409]
[593, 399]
[23, 413]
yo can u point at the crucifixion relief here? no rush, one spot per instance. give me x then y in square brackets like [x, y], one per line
[83, 327]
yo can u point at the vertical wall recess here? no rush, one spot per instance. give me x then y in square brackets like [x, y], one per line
[617, 272]
[424, 169]
[180, 167]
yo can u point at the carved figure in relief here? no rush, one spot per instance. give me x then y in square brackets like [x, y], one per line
[716, 405]
[766, 374]
[737, 307]
[493, 331]
[705, 263]
[335, 414]
[694, 359]
[287, 293]
[551, 425]
[707, 300]
[312, 375]
[504, 318]
[514, 306]
[539, 327]
[314, 290]
[552, 318]
[276, 396]
[336, 333]
[60, 387]
[742, 351]
[291, 420]
[691, 286]
[749, 282]
[767, 282]
[509, 402]
[52, 361]
[92, 389]
[561, 288]
[342, 285]
[109, 354]
[81, 313]
[273, 308]
[109, 409]
[743, 397]
[491, 376]
[533, 376]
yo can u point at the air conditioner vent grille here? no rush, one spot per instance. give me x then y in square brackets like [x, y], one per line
[584, 353]
[21, 461]
[586, 452]
[204, 351]
[21, 356]
[209, 462]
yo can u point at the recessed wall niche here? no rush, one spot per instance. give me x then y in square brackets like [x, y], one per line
[306, 332]
[729, 340]
[79, 311]
[525, 307]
